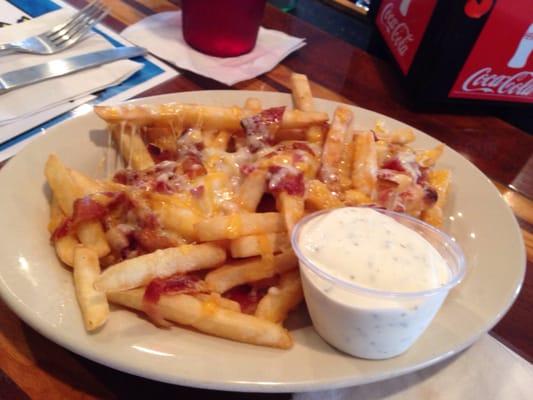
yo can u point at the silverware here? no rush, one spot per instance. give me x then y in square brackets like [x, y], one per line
[53, 69]
[61, 36]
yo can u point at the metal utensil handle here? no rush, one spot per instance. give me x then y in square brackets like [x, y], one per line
[6, 48]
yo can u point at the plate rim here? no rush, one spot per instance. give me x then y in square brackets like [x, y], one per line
[249, 386]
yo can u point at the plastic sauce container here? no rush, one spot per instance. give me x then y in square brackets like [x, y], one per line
[374, 279]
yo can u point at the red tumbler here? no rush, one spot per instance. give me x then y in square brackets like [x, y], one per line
[222, 28]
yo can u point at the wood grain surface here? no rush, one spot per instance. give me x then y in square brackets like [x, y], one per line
[33, 367]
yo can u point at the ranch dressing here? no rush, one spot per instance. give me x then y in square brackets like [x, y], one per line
[370, 297]
[363, 246]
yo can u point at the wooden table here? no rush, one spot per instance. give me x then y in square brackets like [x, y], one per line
[31, 366]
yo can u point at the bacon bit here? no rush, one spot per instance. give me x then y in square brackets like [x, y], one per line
[198, 192]
[62, 230]
[247, 296]
[176, 284]
[387, 174]
[132, 177]
[151, 240]
[297, 157]
[192, 166]
[162, 187]
[269, 155]
[423, 178]
[296, 146]
[161, 178]
[430, 196]
[160, 155]
[85, 209]
[261, 128]
[247, 169]
[285, 180]
[394, 164]
[155, 151]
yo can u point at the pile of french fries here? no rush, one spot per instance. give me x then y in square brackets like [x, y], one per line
[188, 234]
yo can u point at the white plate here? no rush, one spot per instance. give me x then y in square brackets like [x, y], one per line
[40, 291]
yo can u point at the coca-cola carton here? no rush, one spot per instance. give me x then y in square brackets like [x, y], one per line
[462, 50]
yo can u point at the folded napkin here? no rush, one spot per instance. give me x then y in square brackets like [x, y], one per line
[24, 102]
[161, 35]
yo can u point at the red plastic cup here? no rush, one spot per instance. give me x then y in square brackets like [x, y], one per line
[222, 28]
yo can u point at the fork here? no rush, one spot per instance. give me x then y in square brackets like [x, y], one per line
[61, 36]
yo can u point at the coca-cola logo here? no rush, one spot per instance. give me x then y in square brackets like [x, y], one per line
[399, 32]
[486, 81]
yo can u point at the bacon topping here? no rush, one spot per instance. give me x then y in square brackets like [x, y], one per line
[393, 164]
[85, 209]
[288, 180]
[176, 284]
[430, 196]
[192, 165]
[247, 296]
[152, 239]
[261, 128]
[247, 169]
[197, 192]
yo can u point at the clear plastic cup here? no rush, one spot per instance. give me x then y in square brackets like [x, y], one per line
[371, 323]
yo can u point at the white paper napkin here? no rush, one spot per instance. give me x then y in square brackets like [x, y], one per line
[161, 35]
[26, 101]
[488, 370]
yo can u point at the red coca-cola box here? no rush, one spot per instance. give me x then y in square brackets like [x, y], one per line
[473, 51]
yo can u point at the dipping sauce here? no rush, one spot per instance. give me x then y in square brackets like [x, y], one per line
[372, 283]
[368, 248]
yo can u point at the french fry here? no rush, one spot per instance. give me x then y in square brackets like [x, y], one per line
[257, 245]
[291, 207]
[221, 140]
[301, 92]
[303, 100]
[161, 135]
[332, 154]
[139, 271]
[239, 224]
[239, 272]
[66, 191]
[281, 299]
[62, 184]
[93, 304]
[87, 184]
[208, 117]
[65, 247]
[283, 135]
[131, 145]
[92, 235]
[209, 318]
[252, 189]
[253, 104]
[354, 197]
[56, 216]
[402, 136]
[428, 158]
[319, 197]
[219, 301]
[440, 180]
[175, 217]
[364, 171]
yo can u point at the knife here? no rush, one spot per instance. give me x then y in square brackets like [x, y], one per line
[52, 69]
